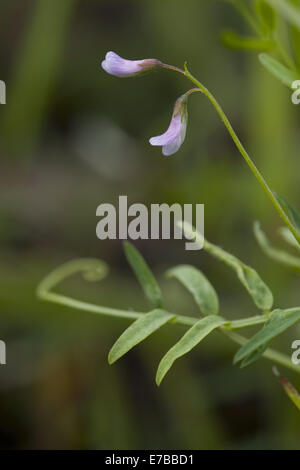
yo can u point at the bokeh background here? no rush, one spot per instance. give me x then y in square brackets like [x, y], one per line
[72, 137]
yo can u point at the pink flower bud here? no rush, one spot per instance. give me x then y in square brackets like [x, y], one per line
[116, 65]
[174, 137]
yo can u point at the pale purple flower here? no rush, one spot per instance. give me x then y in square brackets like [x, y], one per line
[116, 65]
[174, 136]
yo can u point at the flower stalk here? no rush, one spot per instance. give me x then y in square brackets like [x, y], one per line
[259, 177]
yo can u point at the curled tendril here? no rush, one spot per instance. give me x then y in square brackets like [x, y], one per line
[91, 269]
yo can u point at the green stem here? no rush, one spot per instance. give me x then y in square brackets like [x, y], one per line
[244, 154]
[246, 322]
[134, 315]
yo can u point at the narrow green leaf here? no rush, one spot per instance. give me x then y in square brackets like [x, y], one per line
[289, 237]
[280, 71]
[233, 40]
[292, 213]
[144, 275]
[278, 322]
[259, 291]
[254, 356]
[199, 286]
[266, 15]
[137, 332]
[275, 254]
[189, 340]
[288, 388]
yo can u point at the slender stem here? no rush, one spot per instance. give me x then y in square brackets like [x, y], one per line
[88, 307]
[246, 322]
[134, 315]
[172, 67]
[244, 154]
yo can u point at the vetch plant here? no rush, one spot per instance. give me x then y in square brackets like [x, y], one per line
[273, 321]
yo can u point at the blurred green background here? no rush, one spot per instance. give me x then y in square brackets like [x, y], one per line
[72, 137]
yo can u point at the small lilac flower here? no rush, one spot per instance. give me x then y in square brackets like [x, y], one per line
[116, 65]
[174, 137]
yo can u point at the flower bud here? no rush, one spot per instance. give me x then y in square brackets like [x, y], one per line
[174, 137]
[116, 65]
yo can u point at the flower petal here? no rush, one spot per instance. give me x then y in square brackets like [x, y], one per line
[175, 145]
[116, 65]
[172, 133]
